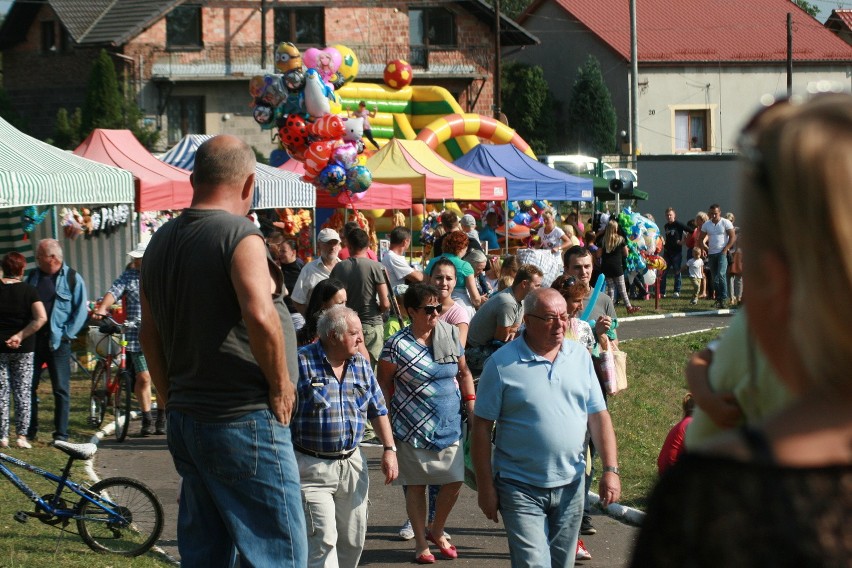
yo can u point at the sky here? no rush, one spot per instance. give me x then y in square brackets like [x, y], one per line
[825, 6]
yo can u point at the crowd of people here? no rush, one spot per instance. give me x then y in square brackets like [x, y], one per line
[269, 397]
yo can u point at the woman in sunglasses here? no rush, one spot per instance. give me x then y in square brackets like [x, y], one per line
[777, 493]
[423, 365]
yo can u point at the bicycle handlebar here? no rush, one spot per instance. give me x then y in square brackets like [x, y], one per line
[112, 327]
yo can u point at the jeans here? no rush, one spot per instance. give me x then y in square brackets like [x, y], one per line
[718, 265]
[240, 488]
[542, 524]
[673, 263]
[59, 367]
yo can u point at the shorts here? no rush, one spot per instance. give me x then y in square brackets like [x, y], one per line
[136, 362]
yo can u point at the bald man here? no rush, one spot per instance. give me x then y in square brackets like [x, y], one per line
[220, 343]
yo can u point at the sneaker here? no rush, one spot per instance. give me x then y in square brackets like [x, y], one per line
[406, 532]
[676, 295]
[582, 552]
[693, 301]
[586, 527]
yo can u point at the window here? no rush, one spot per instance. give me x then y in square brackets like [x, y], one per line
[48, 37]
[302, 26]
[691, 130]
[183, 27]
[432, 27]
[186, 116]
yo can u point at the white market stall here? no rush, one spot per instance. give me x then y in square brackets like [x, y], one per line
[35, 174]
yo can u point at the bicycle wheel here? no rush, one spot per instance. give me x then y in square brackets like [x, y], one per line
[98, 397]
[134, 524]
[121, 405]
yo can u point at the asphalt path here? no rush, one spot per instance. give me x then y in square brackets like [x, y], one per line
[480, 542]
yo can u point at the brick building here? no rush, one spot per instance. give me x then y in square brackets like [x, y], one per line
[189, 63]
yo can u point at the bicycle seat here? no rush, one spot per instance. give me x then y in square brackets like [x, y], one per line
[76, 451]
[109, 328]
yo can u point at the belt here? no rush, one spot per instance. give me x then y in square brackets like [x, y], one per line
[324, 455]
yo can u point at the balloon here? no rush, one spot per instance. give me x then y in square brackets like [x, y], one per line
[347, 155]
[316, 94]
[287, 57]
[523, 218]
[358, 179]
[326, 61]
[316, 159]
[294, 133]
[263, 115]
[348, 69]
[328, 127]
[649, 277]
[354, 129]
[333, 176]
[294, 80]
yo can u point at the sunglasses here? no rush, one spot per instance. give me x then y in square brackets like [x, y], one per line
[430, 309]
[568, 282]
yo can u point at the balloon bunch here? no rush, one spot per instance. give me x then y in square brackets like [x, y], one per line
[304, 108]
[641, 241]
[431, 221]
[30, 218]
[525, 217]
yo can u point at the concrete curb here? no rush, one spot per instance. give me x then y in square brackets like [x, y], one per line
[619, 512]
[715, 312]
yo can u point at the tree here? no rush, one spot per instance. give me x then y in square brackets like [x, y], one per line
[529, 105]
[66, 130]
[811, 9]
[103, 106]
[591, 116]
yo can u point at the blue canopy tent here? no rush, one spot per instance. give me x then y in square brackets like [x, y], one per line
[525, 177]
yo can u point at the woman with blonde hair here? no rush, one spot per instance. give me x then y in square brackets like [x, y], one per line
[613, 253]
[777, 493]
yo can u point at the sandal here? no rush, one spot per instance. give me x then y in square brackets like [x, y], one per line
[450, 552]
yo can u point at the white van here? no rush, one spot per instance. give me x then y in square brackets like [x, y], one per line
[571, 163]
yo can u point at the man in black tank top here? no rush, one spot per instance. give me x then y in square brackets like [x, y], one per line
[220, 342]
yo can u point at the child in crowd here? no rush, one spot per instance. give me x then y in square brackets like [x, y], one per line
[492, 273]
[696, 272]
[674, 445]
[362, 112]
[507, 272]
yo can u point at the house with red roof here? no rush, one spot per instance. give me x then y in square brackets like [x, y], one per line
[840, 23]
[704, 65]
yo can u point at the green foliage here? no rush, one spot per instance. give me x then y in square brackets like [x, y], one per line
[591, 116]
[529, 105]
[103, 106]
[66, 131]
[513, 8]
[811, 9]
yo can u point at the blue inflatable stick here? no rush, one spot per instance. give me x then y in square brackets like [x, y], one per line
[593, 298]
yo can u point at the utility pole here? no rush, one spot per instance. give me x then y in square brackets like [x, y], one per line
[498, 103]
[263, 34]
[634, 85]
[789, 54]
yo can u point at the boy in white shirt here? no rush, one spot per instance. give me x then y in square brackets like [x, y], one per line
[696, 272]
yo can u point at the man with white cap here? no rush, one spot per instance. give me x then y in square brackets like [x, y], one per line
[468, 224]
[127, 286]
[328, 243]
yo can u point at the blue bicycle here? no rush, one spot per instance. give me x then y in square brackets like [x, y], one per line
[118, 515]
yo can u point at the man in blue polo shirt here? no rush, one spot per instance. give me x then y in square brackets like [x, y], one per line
[541, 390]
[338, 393]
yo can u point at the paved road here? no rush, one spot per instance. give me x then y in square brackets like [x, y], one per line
[480, 542]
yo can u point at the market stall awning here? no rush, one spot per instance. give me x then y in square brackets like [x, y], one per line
[378, 196]
[525, 178]
[159, 185]
[35, 173]
[274, 188]
[431, 177]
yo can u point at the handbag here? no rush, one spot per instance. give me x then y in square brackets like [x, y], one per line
[469, 471]
[612, 368]
[736, 265]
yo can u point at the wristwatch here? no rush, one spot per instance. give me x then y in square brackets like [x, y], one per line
[611, 469]
[390, 449]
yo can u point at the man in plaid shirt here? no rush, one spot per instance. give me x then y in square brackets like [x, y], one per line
[127, 285]
[337, 394]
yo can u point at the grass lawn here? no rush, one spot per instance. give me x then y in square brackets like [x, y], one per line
[34, 543]
[644, 413]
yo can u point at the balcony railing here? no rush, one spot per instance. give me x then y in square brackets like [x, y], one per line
[223, 62]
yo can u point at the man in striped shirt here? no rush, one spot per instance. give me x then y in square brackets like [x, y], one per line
[337, 393]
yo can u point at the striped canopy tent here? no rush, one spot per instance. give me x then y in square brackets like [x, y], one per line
[33, 173]
[159, 185]
[378, 195]
[432, 178]
[274, 188]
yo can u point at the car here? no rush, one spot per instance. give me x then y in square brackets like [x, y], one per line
[570, 163]
[624, 174]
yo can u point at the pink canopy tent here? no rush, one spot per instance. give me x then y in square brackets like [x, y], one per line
[378, 196]
[159, 186]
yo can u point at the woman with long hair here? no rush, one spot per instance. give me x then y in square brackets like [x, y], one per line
[777, 493]
[613, 253]
[326, 293]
